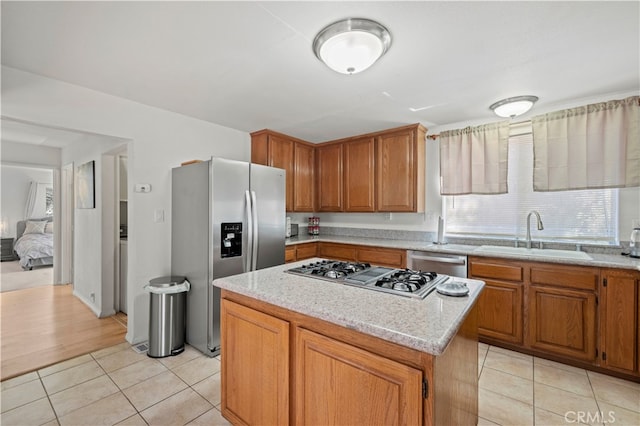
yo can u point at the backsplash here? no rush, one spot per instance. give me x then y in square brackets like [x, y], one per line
[391, 234]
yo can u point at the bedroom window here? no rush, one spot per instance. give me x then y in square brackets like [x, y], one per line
[48, 211]
[581, 216]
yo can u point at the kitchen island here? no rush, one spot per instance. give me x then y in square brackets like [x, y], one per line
[297, 350]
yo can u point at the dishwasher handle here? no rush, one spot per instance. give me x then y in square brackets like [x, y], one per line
[454, 260]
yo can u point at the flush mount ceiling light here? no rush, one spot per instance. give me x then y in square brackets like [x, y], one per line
[512, 107]
[351, 45]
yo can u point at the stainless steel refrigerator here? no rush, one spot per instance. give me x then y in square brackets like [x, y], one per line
[227, 217]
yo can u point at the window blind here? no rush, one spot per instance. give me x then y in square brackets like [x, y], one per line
[584, 216]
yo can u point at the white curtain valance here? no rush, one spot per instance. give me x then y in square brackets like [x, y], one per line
[589, 147]
[474, 160]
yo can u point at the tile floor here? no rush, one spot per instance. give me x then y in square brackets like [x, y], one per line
[518, 389]
[119, 386]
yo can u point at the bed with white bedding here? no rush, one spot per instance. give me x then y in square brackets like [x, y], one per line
[34, 242]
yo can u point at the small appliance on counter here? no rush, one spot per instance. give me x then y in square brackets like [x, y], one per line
[292, 229]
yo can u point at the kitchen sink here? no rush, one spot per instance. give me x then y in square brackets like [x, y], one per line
[566, 254]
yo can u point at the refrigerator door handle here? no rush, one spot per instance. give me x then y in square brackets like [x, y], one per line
[249, 249]
[254, 246]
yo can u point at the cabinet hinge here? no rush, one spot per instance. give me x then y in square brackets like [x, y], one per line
[597, 301]
[604, 282]
[596, 352]
[604, 356]
[425, 389]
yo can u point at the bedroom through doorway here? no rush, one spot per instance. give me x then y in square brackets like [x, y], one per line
[26, 225]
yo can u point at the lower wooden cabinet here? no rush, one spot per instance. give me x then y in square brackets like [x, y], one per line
[619, 322]
[542, 307]
[295, 252]
[281, 367]
[500, 307]
[394, 258]
[339, 384]
[500, 315]
[289, 254]
[306, 251]
[255, 374]
[563, 322]
[345, 252]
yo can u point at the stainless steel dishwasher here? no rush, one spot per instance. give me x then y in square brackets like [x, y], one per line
[440, 263]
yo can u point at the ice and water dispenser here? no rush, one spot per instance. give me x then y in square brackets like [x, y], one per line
[231, 239]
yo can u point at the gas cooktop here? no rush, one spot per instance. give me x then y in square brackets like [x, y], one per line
[402, 282]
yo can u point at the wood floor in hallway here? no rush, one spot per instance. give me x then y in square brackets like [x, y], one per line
[45, 325]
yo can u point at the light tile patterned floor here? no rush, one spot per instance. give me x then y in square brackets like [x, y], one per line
[518, 389]
[119, 386]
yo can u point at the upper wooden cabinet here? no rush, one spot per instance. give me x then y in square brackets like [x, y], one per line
[296, 157]
[359, 175]
[303, 178]
[400, 172]
[329, 177]
[381, 171]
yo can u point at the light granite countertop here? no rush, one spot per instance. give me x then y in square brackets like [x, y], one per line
[596, 259]
[426, 324]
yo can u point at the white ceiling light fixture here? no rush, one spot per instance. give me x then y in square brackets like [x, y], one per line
[512, 107]
[352, 45]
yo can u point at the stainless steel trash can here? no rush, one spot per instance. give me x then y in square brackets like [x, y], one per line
[167, 315]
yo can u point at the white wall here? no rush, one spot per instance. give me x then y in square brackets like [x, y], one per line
[27, 154]
[159, 140]
[94, 228]
[16, 181]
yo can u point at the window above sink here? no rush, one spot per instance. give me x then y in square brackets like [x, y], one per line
[583, 217]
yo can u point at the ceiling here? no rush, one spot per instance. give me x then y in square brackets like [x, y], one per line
[249, 65]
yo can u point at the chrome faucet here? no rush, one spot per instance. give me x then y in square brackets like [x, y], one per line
[540, 226]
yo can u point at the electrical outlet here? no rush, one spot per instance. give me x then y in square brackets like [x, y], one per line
[92, 296]
[158, 216]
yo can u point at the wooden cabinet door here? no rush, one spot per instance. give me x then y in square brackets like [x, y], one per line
[305, 251]
[339, 384]
[289, 254]
[500, 307]
[329, 182]
[500, 311]
[359, 175]
[381, 256]
[619, 321]
[396, 173]
[303, 180]
[281, 155]
[337, 251]
[255, 349]
[563, 322]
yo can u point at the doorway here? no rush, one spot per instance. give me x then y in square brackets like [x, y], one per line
[27, 250]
